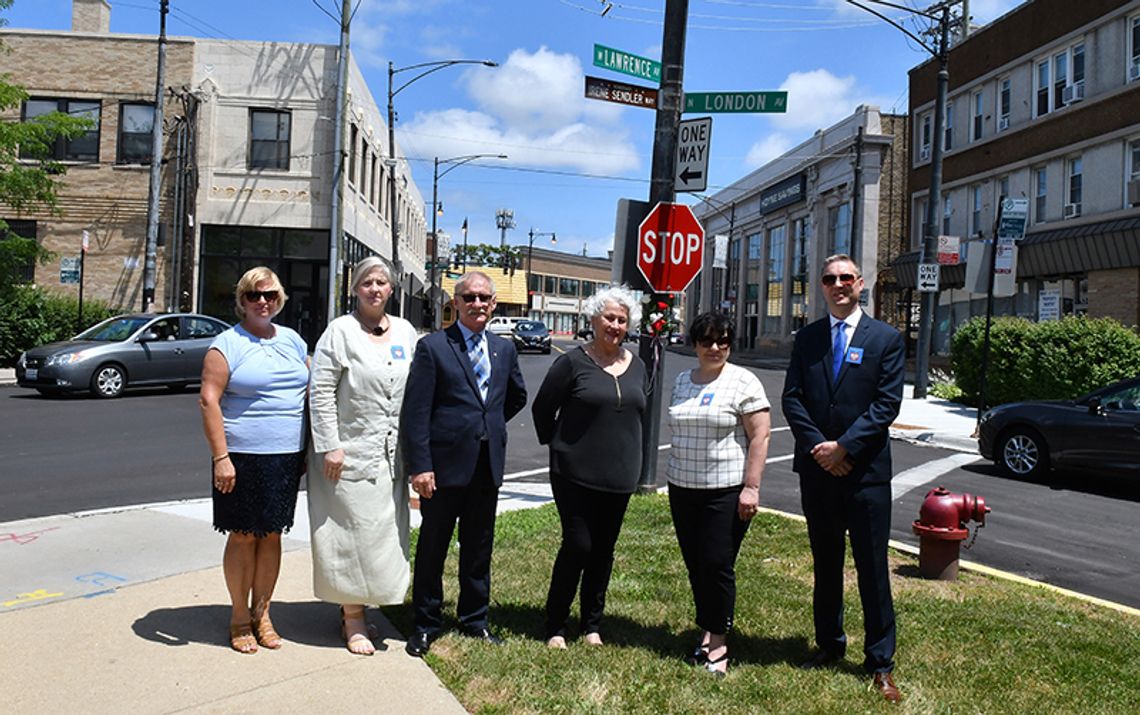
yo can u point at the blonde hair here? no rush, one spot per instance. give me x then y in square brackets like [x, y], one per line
[366, 266]
[249, 281]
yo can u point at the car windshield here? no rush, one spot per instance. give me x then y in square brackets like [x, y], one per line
[113, 329]
[527, 326]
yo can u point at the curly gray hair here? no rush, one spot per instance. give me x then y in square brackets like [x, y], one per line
[619, 294]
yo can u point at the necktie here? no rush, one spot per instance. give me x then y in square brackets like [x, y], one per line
[480, 364]
[838, 348]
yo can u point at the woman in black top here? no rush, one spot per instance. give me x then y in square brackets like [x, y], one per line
[589, 411]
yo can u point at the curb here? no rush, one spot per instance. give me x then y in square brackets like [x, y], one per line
[931, 438]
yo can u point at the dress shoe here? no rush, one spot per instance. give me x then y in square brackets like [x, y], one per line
[482, 634]
[885, 684]
[821, 659]
[418, 645]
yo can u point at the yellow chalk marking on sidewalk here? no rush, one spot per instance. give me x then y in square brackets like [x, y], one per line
[40, 594]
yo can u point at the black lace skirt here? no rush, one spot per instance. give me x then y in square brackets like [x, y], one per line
[264, 496]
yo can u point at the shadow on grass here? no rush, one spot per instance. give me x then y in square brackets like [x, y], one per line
[311, 623]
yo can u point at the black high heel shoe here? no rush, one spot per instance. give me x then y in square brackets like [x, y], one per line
[699, 656]
[710, 665]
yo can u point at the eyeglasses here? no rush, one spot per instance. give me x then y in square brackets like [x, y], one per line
[472, 297]
[254, 296]
[844, 278]
[723, 342]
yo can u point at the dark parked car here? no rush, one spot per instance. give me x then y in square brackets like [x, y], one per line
[1099, 431]
[531, 335]
[586, 333]
[124, 351]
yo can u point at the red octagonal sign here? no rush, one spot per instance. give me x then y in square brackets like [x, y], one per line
[670, 247]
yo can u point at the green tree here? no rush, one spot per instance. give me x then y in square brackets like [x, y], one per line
[28, 173]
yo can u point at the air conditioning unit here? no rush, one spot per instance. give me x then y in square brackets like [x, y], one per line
[1073, 93]
[1003, 124]
[1134, 71]
[1134, 192]
[924, 155]
[1072, 210]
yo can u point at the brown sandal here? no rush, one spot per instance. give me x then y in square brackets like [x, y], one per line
[266, 636]
[241, 638]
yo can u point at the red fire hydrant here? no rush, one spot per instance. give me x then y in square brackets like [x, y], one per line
[941, 529]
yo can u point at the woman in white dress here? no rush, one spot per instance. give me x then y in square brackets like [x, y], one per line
[358, 492]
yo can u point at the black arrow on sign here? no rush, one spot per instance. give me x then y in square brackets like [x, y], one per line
[686, 175]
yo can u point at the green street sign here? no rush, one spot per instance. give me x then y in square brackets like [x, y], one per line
[736, 102]
[618, 61]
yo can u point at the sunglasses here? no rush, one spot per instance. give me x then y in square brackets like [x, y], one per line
[472, 297]
[844, 278]
[722, 342]
[254, 296]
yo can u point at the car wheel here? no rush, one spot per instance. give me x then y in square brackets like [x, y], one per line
[546, 351]
[1023, 453]
[108, 381]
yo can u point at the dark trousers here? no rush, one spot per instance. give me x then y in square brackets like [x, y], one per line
[709, 532]
[474, 507]
[834, 508]
[591, 522]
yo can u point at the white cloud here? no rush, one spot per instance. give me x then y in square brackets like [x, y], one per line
[532, 109]
[767, 149]
[817, 99]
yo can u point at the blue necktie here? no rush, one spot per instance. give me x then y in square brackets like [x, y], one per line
[480, 364]
[838, 348]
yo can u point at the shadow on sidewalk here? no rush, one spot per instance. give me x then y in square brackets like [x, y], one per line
[311, 623]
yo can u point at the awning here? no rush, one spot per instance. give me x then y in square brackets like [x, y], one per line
[1045, 253]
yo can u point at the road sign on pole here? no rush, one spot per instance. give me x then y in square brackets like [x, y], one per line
[626, 63]
[670, 247]
[69, 270]
[693, 155]
[949, 250]
[928, 274]
[1013, 218]
[736, 102]
[621, 93]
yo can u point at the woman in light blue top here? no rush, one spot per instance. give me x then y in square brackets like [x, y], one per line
[254, 379]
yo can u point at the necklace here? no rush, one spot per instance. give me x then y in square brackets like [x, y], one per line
[377, 329]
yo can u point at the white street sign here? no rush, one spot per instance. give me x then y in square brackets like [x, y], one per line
[948, 250]
[720, 251]
[928, 277]
[1004, 262]
[693, 155]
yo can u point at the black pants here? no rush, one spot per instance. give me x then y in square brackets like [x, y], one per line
[591, 522]
[833, 509]
[474, 507]
[710, 532]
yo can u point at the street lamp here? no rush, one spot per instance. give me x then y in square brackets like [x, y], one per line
[437, 210]
[530, 259]
[428, 68]
[930, 231]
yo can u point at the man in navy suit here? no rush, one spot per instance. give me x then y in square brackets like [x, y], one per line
[463, 386]
[841, 394]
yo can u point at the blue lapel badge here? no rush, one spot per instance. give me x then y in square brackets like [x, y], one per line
[707, 398]
[398, 352]
[855, 356]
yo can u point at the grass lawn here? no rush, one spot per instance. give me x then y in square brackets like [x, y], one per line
[976, 645]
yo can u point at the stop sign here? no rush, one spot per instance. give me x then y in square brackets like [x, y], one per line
[670, 247]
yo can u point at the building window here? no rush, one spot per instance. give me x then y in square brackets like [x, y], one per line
[978, 118]
[774, 281]
[925, 144]
[922, 224]
[25, 271]
[589, 288]
[568, 286]
[352, 135]
[976, 210]
[1003, 186]
[549, 285]
[1005, 94]
[1132, 171]
[948, 128]
[1134, 50]
[364, 154]
[269, 139]
[136, 127]
[1040, 189]
[84, 147]
[1073, 209]
[947, 212]
[800, 277]
[1060, 80]
[839, 223]
[1060, 77]
[754, 246]
[1042, 88]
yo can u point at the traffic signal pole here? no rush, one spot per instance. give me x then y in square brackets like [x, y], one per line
[670, 100]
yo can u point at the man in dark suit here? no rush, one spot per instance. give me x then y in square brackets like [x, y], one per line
[841, 394]
[463, 387]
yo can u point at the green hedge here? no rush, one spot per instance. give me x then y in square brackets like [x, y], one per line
[1057, 359]
[31, 316]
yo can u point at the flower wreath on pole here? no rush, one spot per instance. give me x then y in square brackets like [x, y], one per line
[658, 316]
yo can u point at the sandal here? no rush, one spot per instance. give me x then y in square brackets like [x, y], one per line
[699, 656]
[358, 643]
[266, 635]
[710, 665]
[241, 638]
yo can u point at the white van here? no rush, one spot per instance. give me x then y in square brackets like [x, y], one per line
[503, 325]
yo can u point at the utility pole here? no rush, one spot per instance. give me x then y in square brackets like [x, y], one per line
[856, 197]
[336, 211]
[154, 193]
[670, 99]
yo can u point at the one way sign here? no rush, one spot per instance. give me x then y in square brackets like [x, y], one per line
[693, 155]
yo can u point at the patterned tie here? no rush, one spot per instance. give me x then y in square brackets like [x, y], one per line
[480, 364]
[838, 348]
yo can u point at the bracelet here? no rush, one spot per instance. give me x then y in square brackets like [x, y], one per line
[220, 457]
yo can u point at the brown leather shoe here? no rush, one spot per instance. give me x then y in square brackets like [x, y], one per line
[885, 684]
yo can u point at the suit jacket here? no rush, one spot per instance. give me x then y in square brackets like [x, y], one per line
[856, 408]
[444, 419]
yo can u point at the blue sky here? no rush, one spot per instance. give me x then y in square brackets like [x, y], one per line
[570, 159]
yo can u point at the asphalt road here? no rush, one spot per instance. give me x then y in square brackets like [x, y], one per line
[77, 453]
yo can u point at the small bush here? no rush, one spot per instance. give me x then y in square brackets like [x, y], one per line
[1058, 359]
[31, 316]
